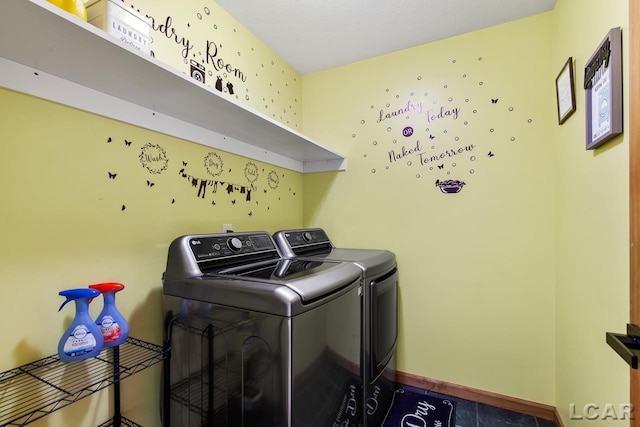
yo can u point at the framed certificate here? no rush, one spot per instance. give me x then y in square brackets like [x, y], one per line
[565, 92]
[603, 91]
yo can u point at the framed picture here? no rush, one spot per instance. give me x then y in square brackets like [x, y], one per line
[565, 92]
[603, 90]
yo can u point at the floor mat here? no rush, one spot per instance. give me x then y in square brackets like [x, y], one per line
[419, 410]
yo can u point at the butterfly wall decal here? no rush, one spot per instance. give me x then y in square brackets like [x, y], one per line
[112, 175]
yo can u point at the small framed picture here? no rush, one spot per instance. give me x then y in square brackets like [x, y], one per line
[565, 92]
[603, 91]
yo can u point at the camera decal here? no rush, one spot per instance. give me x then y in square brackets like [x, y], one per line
[197, 71]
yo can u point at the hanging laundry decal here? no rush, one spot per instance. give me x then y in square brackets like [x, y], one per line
[203, 183]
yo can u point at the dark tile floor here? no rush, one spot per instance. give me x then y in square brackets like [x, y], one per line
[473, 414]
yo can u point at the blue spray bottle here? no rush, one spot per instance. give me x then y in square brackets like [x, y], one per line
[82, 339]
[113, 325]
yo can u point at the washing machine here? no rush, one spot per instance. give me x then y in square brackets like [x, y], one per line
[256, 339]
[379, 312]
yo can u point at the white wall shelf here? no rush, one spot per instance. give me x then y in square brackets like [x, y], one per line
[49, 53]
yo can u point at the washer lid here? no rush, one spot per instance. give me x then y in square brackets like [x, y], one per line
[373, 261]
[310, 279]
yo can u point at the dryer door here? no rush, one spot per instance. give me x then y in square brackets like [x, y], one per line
[384, 322]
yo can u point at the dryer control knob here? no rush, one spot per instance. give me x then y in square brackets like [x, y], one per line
[234, 244]
[307, 236]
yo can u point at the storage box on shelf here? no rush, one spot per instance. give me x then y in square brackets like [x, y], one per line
[37, 389]
[124, 23]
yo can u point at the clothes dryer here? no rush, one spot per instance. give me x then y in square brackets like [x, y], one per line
[379, 311]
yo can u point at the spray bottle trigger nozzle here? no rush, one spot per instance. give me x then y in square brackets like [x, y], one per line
[73, 294]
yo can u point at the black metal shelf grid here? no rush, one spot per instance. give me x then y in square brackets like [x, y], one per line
[192, 392]
[208, 391]
[34, 390]
[123, 422]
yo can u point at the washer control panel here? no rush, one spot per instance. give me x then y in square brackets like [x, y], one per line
[217, 246]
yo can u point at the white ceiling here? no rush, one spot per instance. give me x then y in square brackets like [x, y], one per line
[313, 35]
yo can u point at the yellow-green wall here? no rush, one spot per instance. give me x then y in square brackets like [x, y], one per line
[87, 199]
[80, 206]
[476, 267]
[592, 229]
[507, 286]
